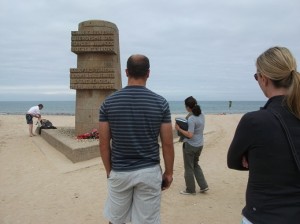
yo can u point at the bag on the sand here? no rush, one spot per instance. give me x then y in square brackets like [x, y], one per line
[46, 124]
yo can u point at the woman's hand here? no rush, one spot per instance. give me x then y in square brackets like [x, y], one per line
[245, 162]
[185, 133]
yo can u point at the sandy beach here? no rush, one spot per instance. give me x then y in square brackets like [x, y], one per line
[39, 185]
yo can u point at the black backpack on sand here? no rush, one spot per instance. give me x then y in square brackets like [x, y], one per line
[46, 124]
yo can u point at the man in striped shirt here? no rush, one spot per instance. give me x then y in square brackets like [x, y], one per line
[130, 122]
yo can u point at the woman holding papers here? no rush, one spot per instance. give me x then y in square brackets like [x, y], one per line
[192, 147]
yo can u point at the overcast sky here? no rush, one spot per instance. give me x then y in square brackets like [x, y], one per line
[196, 47]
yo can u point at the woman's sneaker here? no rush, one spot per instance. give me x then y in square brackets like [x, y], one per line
[204, 190]
[187, 193]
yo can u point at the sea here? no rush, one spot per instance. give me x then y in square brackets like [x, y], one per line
[176, 107]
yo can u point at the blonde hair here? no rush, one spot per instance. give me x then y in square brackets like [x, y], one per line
[279, 65]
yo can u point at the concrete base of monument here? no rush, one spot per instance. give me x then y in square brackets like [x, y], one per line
[64, 140]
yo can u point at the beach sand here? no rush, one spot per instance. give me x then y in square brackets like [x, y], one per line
[39, 185]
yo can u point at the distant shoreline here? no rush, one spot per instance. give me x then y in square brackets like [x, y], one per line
[68, 108]
[66, 114]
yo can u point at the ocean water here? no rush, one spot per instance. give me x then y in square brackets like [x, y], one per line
[176, 107]
[219, 107]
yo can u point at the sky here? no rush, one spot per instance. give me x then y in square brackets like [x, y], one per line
[200, 48]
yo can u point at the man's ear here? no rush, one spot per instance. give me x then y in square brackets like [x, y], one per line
[126, 70]
[148, 74]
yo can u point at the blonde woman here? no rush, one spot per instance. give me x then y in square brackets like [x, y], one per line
[267, 143]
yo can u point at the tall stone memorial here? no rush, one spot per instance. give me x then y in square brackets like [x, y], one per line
[98, 71]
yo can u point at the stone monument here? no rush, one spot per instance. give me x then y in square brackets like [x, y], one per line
[98, 72]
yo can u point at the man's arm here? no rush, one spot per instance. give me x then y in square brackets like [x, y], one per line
[104, 145]
[166, 136]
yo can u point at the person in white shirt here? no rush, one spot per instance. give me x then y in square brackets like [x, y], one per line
[34, 111]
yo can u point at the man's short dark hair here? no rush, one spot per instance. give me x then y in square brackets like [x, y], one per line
[41, 106]
[138, 66]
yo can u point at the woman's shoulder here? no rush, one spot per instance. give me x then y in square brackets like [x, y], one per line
[196, 118]
[260, 116]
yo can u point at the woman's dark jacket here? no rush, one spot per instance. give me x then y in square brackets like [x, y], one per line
[273, 190]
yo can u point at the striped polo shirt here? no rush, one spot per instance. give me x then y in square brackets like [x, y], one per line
[135, 115]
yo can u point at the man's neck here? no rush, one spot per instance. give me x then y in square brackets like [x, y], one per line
[136, 82]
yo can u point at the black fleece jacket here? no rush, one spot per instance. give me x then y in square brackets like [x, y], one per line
[273, 190]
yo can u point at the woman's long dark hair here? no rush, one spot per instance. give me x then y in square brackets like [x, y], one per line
[191, 103]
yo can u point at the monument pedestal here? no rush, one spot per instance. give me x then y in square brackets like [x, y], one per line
[87, 109]
[75, 150]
